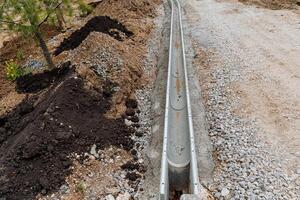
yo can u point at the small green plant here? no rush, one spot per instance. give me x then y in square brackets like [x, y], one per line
[80, 187]
[84, 8]
[13, 70]
[20, 55]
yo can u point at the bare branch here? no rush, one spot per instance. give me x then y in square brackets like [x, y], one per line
[46, 18]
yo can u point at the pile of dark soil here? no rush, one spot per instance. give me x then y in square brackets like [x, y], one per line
[103, 24]
[38, 137]
[134, 173]
[36, 82]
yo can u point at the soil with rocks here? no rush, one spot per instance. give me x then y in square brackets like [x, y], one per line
[103, 24]
[39, 135]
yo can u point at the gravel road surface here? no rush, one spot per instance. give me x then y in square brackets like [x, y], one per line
[248, 64]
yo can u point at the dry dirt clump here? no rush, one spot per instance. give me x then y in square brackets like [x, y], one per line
[274, 4]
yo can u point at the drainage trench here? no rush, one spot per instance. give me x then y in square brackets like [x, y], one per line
[179, 171]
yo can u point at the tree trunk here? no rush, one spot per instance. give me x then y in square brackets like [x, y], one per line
[60, 18]
[45, 49]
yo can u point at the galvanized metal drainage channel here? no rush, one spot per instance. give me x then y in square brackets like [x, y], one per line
[179, 171]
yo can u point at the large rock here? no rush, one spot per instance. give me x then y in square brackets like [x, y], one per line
[224, 192]
[189, 197]
[125, 196]
[109, 197]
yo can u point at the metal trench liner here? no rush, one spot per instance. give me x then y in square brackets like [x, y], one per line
[179, 169]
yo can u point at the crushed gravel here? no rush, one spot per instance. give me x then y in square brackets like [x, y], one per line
[246, 167]
[145, 98]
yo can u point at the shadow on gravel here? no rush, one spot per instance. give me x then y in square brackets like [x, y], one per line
[37, 137]
[103, 24]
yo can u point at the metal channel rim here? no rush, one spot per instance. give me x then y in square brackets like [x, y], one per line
[194, 165]
[164, 162]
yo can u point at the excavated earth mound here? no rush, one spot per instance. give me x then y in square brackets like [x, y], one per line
[40, 134]
[103, 24]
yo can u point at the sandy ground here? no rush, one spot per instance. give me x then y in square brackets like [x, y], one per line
[264, 47]
[268, 44]
[273, 4]
[3, 37]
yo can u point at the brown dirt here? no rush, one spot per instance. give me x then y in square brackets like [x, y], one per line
[134, 14]
[8, 95]
[101, 24]
[69, 119]
[274, 4]
[116, 61]
[136, 17]
[124, 65]
[90, 173]
[27, 45]
[203, 68]
[9, 101]
[64, 117]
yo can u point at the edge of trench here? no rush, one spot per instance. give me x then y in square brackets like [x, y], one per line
[153, 152]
